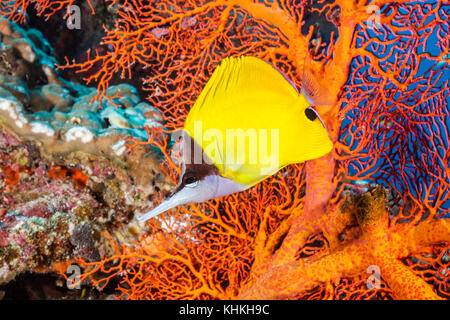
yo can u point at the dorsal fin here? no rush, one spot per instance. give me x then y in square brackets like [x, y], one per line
[243, 74]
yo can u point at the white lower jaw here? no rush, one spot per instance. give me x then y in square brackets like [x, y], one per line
[227, 186]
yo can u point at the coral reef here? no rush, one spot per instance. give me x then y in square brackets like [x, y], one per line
[367, 221]
[62, 113]
[66, 176]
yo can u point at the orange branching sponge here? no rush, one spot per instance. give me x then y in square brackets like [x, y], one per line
[319, 230]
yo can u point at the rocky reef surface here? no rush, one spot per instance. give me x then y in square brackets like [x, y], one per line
[68, 183]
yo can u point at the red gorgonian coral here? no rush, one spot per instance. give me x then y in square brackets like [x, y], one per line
[319, 230]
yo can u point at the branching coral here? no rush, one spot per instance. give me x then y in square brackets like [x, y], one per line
[16, 10]
[313, 230]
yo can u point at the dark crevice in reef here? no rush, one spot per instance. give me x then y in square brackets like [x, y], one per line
[50, 286]
[74, 43]
[325, 27]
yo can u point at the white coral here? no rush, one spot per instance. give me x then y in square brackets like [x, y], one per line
[40, 127]
[119, 147]
[79, 133]
[14, 110]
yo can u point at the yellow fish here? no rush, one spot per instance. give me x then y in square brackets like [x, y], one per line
[248, 122]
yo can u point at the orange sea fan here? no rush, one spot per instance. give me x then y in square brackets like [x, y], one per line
[314, 230]
[16, 10]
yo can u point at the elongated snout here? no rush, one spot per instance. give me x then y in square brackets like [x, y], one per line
[211, 187]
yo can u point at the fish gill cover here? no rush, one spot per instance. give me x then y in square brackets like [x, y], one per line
[367, 221]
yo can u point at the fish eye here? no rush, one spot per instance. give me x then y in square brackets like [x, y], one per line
[189, 179]
[311, 114]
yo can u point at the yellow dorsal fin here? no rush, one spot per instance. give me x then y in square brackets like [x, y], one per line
[243, 74]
